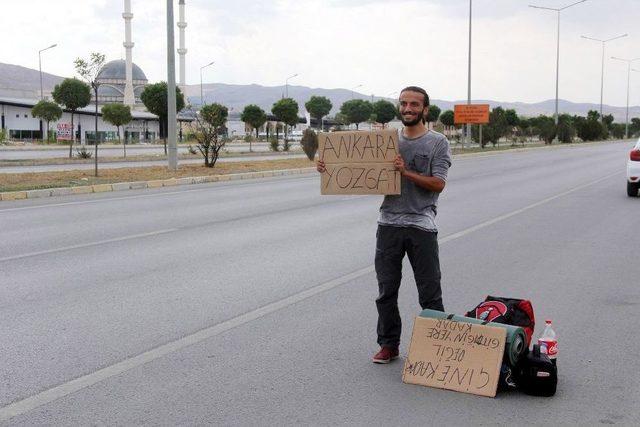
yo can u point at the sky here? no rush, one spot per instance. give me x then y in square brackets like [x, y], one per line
[374, 46]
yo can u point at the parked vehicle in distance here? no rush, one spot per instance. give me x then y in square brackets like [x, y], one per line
[633, 171]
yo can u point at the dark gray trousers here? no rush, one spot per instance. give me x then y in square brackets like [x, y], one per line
[392, 243]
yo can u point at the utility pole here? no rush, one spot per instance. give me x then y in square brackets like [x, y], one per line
[40, 67]
[557, 10]
[171, 89]
[628, 61]
[468, 136]
[602, 70]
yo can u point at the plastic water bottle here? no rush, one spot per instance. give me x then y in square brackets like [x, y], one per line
[548, 342]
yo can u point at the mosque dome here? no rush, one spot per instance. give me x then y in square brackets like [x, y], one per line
[118, 70]
[112, 78]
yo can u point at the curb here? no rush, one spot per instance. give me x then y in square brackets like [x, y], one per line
[138, 185]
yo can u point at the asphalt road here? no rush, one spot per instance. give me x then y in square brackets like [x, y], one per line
[252, 303]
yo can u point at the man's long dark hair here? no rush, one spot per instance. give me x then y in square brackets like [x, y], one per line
[419, 90]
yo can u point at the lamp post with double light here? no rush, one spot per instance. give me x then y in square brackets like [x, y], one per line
[628, 61]
[201, 93]
[352, 90]
[286, 85]
[602, 71]
[558, 11]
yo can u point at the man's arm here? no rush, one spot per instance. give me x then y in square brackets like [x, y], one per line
[430, 183]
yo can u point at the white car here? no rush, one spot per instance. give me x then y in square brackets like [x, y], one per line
[633, 171]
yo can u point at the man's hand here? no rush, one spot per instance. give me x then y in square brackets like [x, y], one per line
[320, 166]
[398, 163]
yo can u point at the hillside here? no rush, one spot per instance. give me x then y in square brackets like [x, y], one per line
[22, 82]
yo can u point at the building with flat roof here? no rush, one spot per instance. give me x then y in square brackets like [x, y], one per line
[18, 123]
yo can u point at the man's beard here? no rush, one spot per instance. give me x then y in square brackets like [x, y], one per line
[413, 122]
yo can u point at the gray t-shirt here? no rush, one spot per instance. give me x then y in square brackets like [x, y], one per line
[428, 155]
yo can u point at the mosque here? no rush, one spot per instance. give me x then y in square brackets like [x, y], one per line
[121, 81]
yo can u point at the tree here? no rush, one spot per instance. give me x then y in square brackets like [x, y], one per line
[545, 127]
[512, 120]
[433, 112]
[512, 117]
[566, 131]
[118, 115]
[618, 129]
[89, 71]
[447, 119]
[209, 124]
[72, 94]
[47, 111]
[589, 129]
[318, 107]
[255, 117]
[356, 111]
[154, 97]
[495, 129]
[385, 111]
[286, 110]
[634, 126]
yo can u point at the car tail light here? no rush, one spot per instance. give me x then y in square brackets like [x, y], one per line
[635, 155]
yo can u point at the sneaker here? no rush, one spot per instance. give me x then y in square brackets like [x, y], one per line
[386, 355]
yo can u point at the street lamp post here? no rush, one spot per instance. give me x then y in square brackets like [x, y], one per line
[40, 67]
[171, 91]
[469, 76]
[558, 10]
[602, 72]
[286, 85]
[637, 71]
[628, 61]
[201, 68]
[354, 88]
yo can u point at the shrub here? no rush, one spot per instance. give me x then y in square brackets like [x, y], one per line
[83, 153]
[309, 143]
[273, 143]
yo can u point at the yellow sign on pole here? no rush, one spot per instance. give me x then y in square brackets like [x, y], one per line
[471, 113]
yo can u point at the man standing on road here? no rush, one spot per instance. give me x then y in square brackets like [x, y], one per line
[406, 224]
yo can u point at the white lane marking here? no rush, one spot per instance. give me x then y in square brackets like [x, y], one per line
[25, 405]
[88, 245]
[519, 211]
[79, 383]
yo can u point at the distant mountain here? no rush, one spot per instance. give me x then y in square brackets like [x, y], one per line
[237, 96]
[22, 82]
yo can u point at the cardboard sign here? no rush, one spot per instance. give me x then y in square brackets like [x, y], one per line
[64, 132]
[455, 356]
[471, 113]
[359, 162]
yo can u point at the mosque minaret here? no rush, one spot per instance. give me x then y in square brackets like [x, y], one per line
[182, 51]
[129, 97]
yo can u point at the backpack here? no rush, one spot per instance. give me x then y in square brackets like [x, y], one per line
[510, 311]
